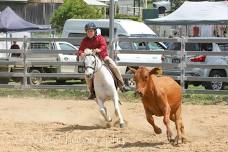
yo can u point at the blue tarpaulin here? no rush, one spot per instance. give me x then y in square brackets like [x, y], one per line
[10, 22]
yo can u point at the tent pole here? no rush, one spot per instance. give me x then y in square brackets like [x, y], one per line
[186, 31]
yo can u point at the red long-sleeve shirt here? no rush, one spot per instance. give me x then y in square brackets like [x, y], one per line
[97, 42]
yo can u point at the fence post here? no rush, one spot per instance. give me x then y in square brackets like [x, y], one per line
[183, 63]
[25, 84]
[111, 26]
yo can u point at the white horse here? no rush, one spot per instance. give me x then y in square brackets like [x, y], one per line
[104, 85]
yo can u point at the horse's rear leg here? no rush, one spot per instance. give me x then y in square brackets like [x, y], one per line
[103, 110]
[117, 111]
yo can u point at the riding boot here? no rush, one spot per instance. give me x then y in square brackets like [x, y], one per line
[92, 94]
[120, 82]
[90, 85]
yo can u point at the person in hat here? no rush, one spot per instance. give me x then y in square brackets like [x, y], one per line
[97, 43]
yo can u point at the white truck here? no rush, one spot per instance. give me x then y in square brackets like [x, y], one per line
[122, 28]
[35, 47]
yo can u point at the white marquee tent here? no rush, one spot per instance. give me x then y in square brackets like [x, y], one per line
[94, 2]
[190, 13]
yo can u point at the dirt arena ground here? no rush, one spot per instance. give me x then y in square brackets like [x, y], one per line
[46, 125]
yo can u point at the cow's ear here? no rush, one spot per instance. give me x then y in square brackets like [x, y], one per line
[156, 70]
[132, 70]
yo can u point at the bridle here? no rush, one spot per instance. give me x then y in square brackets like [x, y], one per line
[92, 67]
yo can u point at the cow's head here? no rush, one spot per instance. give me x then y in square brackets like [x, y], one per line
[141, 78]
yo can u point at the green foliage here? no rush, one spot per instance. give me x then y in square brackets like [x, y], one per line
[121, 16]
[77, 9]
[176, 4]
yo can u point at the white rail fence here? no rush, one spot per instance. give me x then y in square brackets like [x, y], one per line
[8, 62]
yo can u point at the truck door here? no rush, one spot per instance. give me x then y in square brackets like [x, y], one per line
[224, 47]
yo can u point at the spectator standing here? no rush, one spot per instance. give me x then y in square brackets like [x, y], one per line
[15, 46]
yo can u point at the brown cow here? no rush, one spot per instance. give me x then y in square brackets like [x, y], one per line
[161, 96]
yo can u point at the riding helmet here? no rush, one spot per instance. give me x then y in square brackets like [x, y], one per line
[90, 25]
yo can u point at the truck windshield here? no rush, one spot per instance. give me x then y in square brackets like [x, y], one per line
[40, 46]
[143, 35]
[154, 46]
[159, 0]
[65, 46]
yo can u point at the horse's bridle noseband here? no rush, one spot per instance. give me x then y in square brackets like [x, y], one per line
[93, 68]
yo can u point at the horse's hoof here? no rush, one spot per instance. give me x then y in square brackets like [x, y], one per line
[122, 125]
[109, 119]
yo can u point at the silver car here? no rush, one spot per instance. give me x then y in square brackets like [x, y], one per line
[202, 59]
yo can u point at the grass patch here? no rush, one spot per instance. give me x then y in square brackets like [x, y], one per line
[45, 93]
[70, 94]
[73, 94]
[129, 97]
[204, 99]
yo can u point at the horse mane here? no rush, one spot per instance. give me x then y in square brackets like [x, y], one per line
[88, 51]
[91, 52]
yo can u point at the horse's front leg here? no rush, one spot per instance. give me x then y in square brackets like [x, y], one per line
[117, 110]
[103, 110]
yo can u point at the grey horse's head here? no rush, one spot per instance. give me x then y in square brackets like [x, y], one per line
[90, 61]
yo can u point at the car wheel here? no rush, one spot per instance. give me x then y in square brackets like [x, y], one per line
[129, 81]
[35, 80]
[83, 81]
[186, 84]
[215, 85]
[4, 81]
[161, 10]
[60, 81]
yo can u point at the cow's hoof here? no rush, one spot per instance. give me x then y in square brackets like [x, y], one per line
[157, 130]
[170, 137]
[172, 141]
[122, 125]
[176, 141]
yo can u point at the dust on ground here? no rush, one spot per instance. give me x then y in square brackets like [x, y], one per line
[47, 125]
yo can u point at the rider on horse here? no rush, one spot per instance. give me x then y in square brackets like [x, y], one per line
[97, 43]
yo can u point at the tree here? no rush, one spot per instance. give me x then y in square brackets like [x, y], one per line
[73, 9]
[176, 4]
